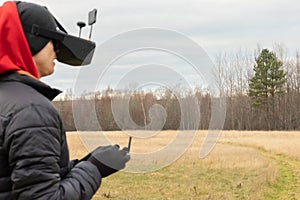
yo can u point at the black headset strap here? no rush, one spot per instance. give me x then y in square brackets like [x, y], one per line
[54, 35]
[38, 31]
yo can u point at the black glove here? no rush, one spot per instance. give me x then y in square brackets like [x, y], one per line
[109, 159]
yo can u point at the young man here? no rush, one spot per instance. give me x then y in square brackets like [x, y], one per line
[34, 158]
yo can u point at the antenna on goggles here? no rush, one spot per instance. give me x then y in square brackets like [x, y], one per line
[92, 20]
[81, 25]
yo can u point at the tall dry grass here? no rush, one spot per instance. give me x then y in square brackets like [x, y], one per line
[228, 172]
[280, 142]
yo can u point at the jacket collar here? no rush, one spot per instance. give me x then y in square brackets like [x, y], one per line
[39, 86]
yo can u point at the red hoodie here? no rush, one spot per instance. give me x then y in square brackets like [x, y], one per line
[15, 53]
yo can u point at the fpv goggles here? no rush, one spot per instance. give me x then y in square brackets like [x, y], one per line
[69, 49]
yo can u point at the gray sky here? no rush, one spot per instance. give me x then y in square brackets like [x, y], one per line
[216, 25]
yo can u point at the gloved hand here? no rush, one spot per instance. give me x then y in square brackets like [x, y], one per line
[109, 159]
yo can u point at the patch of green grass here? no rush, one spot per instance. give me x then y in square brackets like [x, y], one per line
[284, 186]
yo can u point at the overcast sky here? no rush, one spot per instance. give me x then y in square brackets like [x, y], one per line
[215, 25]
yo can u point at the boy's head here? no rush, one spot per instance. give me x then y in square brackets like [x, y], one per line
[31, 14]
[40, 27]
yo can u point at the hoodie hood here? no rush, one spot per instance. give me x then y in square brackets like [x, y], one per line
[15, 54]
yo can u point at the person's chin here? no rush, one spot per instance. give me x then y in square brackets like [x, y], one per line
[50, 71]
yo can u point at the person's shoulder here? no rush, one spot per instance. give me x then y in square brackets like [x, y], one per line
[15, 96]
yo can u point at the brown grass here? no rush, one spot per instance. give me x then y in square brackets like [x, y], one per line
[235, 169]
[283, 142]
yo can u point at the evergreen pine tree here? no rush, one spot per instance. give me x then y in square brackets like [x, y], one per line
[268, 80]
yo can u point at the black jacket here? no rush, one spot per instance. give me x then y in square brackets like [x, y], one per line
[34, 157]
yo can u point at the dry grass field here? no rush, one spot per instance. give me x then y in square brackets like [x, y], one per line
[243, 165]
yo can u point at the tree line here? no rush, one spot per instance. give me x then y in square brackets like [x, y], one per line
[262, 91]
